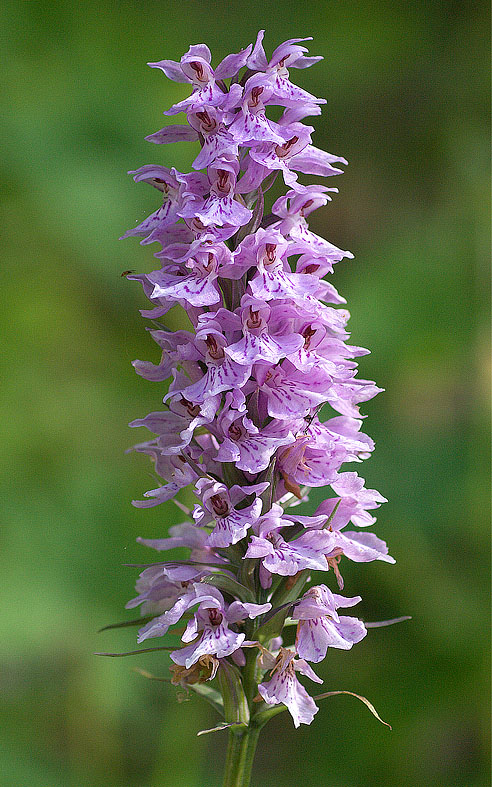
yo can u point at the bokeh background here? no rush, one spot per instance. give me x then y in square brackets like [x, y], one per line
[406, 84]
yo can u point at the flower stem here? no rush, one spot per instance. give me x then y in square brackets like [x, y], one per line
[240, 755]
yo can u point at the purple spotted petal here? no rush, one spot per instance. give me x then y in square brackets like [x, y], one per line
[231, 64]
[314, 637]
[173, 134]
[232, 528]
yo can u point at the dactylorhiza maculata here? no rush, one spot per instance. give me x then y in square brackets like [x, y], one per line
[265, 350]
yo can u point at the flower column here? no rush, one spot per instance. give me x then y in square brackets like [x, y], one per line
[241, 421]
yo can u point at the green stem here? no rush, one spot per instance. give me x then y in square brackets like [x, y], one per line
[243, 741]
[240, 755]
[249, 677]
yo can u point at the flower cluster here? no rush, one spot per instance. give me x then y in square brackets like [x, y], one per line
[266, 349]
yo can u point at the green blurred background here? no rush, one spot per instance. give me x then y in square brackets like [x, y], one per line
[406, 85]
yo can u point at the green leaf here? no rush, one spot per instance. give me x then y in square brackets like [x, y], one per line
[269, 181]
[272, 627]
[282, 600]
[380, 623]
[231, 687]
[199, 469]
[230, 585]
[330, 518]
[223, 726]
[247, 572]
[233, 553]
[232, 475]
[211, 695]
[359, 697]
[126, 623]
[271, 477]
[167, 563]
[286, 591]
[208, 693]
[267, 616]
[137, 652]
[263, 716]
